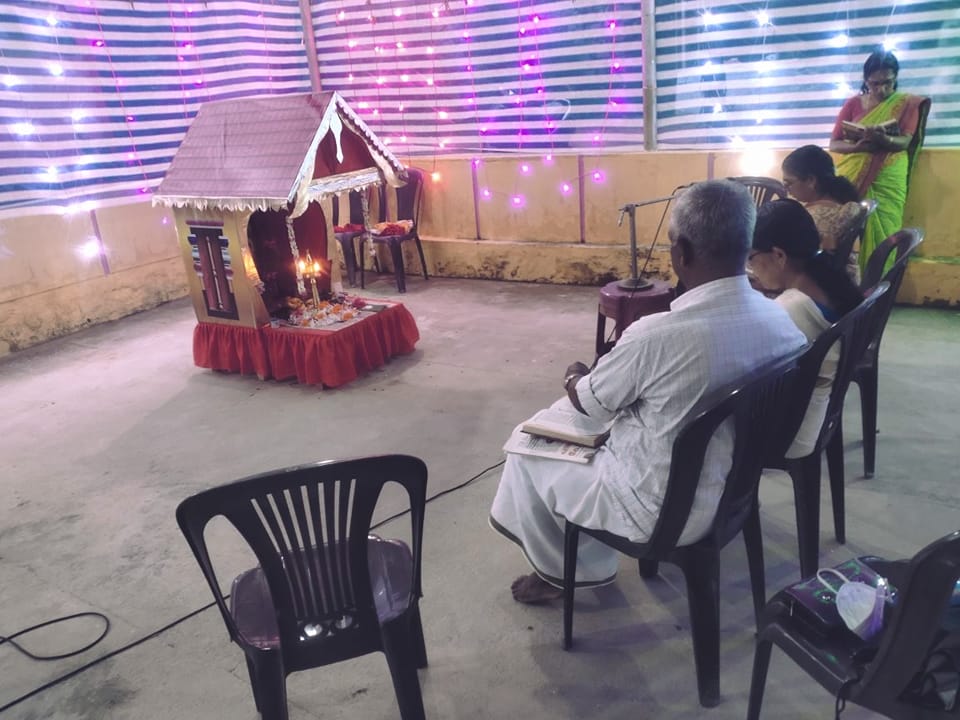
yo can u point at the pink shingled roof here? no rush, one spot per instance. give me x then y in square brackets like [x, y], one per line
[247, 148]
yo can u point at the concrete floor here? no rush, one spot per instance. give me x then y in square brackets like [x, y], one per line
[105, 431]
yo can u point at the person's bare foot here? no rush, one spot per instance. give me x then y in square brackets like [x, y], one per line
[531, 589]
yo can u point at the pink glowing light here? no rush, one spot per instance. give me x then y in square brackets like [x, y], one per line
[476, 162]
[486, 193]
[597, 176]
[517, 200]
[98, 43]
[536, 19]
[612, 24]
[565, 188]
[548, 158]
[524, 168]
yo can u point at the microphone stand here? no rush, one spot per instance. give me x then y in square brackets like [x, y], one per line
[635, 282]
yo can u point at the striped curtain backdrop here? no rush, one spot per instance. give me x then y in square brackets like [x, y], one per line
[471, 76]
[96, 96]
[776, 72]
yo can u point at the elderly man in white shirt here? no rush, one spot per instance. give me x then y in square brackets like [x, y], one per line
[718, 331]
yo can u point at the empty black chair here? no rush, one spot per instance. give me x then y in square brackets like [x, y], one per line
[754, 406]
[409, 199]
[763, 189]
[905, 242]
[358, 222]
[880, 679]
[324, 590]
[852, 333]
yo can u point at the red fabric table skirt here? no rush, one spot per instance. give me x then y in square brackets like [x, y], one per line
[313, 357]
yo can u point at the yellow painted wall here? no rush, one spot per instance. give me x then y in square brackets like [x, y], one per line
[47, 289]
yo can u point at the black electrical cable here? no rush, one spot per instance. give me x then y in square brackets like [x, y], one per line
[168, 626]
[10, 639]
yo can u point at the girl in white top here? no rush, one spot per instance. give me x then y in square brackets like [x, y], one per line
[786, 256]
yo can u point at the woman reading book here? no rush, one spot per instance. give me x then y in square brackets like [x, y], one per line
[815, 294]
[832, 200]
[879, 133]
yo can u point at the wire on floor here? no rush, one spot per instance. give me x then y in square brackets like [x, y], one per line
[113, 653]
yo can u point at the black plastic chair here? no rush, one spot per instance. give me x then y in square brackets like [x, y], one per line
[409, 198]
[763, 189]
[849, 667]
[324, 591]
[755, 406]
[852, 333]
[840, 255]
[905, 242]
[346, 239]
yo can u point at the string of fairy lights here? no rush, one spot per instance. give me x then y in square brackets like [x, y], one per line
[428, 76]
[87, 119]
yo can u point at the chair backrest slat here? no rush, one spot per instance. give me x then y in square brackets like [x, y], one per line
[409, 198]
[762, 189]
[308, 527]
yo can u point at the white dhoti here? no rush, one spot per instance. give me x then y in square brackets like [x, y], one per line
[535, 498]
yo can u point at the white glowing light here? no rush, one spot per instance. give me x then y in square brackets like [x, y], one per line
[708, 18]
[737, 141]
[56, 69]
[10, 81]
[442, 115]
[717, 108]
[840, 40]
[757, 160]
[51, 21]
[50, 174]
[889, 44]
[764, 66]
[763, 18]
[22, 128]
[77, 115]
[90, 249]
[842, 90]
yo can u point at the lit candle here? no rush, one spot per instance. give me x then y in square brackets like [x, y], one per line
[301, 266]
[316, 268]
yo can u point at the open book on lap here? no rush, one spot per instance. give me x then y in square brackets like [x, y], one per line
[521, 443]
[854, 130]
[569, 426]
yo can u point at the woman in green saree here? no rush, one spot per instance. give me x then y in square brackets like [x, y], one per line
[876, 160]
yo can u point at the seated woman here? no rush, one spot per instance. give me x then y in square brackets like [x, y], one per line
[831, 200]
[786, 256]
